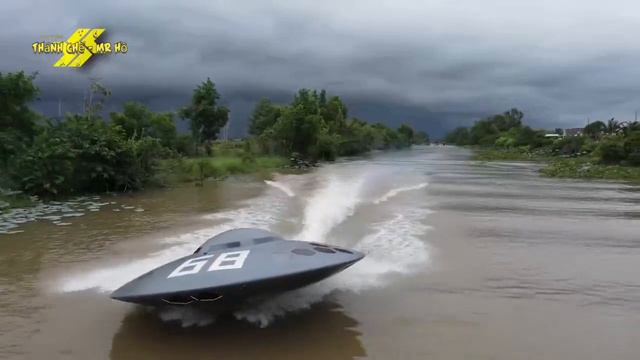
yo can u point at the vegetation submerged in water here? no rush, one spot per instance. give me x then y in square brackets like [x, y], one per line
[586, 167]
[590, 169]
[14, 200]
[601, 151]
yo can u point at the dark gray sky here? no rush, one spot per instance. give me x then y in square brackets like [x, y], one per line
[433, 63]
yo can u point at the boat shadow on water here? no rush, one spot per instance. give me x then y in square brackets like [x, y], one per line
[322, 332]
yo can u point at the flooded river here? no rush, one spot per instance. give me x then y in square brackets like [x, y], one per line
[464, 261]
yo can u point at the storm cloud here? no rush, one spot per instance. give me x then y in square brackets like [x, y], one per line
[435, 64]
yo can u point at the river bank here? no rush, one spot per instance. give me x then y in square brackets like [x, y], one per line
[559, 166]
[199, 169]
[176, 171]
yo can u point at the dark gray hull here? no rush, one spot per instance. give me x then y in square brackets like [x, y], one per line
[235, 293]
[237, 265]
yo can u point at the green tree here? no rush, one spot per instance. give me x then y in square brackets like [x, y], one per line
[95, 99]
[505, 141]
[569, 145]
[206, 116]
[508, 120]
[264, 116]
[421, 138]
[459, 136]
[46, 167]
[632, 147]
[326, 147]
[595, 129]
[613, 126]
[17, 90]
[96, 148]
[358, 137]
[334, 114]
[307, 100]
[18, 123]
[526, 136]
[297, 132]
[83, 155]
[137, 121]
[315, 126]
[483, 132]
[163, 128]
[611, 151]
[134, 119]
[185, 145]
[406, 134]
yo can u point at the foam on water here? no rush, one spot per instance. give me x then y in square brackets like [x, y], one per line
[393, 192]
[281, 186]
[394, 244]
[334, 201]
[252, 213]
[187, 316]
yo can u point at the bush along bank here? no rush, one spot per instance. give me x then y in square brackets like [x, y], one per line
[602, 150]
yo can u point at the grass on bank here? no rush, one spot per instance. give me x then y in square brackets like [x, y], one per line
[588, 168]
[12, 199]
[15, 201]
[172, 171]
[577, 167]
[181, 170]
[507, 154]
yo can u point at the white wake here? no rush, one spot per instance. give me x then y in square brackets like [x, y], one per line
[329, 206]
[393, 192]
[282, 187]
[395, 246]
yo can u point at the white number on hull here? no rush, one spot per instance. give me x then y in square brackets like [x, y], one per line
[230, 260]
[226, 261]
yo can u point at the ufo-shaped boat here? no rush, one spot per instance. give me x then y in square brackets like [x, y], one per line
[236, 265]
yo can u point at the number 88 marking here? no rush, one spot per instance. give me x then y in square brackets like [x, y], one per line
[226, 261]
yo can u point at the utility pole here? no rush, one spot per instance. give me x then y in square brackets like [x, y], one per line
[226, 129]
[59, 118]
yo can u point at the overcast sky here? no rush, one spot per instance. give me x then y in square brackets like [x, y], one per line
[435, 64]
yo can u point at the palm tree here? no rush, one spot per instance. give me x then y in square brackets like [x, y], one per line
[612, 126]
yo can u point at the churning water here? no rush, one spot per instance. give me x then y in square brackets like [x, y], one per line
[329, 198]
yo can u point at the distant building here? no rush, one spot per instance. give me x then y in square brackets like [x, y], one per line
[573, 131]
[552, 135]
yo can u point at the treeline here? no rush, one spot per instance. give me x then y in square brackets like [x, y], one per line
[82, 155]
[502, 130]
[88, 153]
[612, 142]
[316, 126]
[609, 143]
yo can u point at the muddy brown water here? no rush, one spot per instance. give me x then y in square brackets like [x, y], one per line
[465, 260]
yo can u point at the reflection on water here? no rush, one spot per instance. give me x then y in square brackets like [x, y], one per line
[464, 260]
[323, 333]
